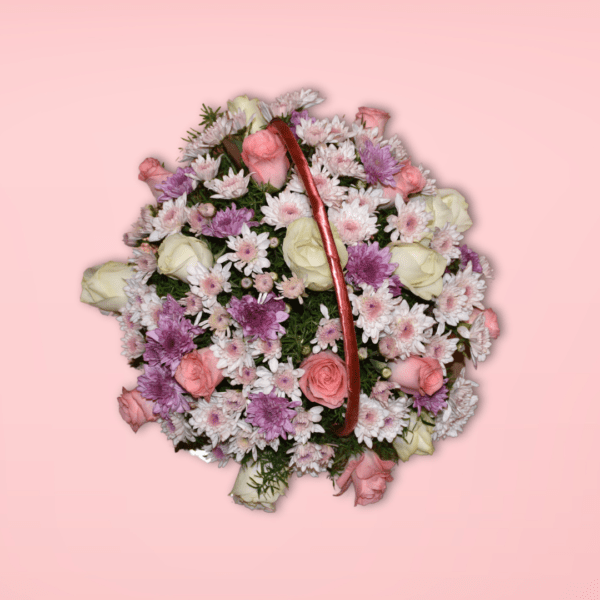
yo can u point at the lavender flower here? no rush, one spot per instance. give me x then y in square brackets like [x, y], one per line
[379, 164]
[229, 222]
[259, 319]
[432, 403]
[272, 414]
[395, 286]
[158, 384]
[466, 255]
[176, 185]
[369, 264]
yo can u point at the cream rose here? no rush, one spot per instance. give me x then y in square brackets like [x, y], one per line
[243, 494]
[102, 286]
[304, 254]
[448, 206]
[419, 268]
[418, 439]
[250, 107]
[178, 252]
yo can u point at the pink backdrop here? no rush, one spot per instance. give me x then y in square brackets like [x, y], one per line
[499, 100]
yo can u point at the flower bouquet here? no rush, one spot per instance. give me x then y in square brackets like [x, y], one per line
[298, 300]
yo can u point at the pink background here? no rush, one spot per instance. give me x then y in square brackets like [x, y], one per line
[499, 100]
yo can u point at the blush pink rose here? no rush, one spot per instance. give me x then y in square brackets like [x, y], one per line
[409, 180]
[198, 374]
[153, 174]
[369, 474]
[491, 321]
[135, 409]
[265, 155]
[373, 117]
[418, 375]
[325, 379]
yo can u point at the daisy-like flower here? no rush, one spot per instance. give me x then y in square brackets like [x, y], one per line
[462, 403]
[205, 168]
[245, 376]
[219, 320]
[196, 220]
[411, 328]
[135, 289]
[313, 132]
[245, 440]
[329, 188]
[250, 251]
[363, 134]
[375, 310]
[177, 429]
[486, 268]
[220, 453]
[232, 401]
[209, 283]
[371, 418]
[396, 148]
[395, 420]
[445, 241]
[479, 339]
[292, 288]
[410, 224]
[451, 303]
[370, 197]
[144, 261]
[441, 347]
[369, 264]
[285, 208]
[306, 458]
[429, 189]
[382, 390]
[270, 350]
[217, 132]
[170, 219]
[192, 304]
[306, 422]
[150, 310]
[473, 287]
[327, 452]
[212, 420]
[353, 222]
[231, 186]
[126, 322]
[340, 161]
[272, 415]
[328, 332]
[282, 379]
[231, 353]
[340, 131]
[467, 255]
[133, 344]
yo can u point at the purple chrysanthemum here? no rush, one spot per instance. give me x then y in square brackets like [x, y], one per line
[259, 319]
[466, 255]
[229, 222]
[272, 414]
[379, 164]
[369, 264]
[395, 286]
[157, 383]
[295, 120]
[176, 185]
[173, 337]
[432, 403]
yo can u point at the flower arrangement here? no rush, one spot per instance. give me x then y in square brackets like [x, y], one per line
[307, 316]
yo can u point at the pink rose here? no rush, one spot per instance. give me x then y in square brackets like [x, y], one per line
[197, 373]
[325, 379]
[369, 474]
[418, 375]
[491, 321]
[153, 174]
[409, 180]
[265, 155]
[135, 409]
[373, 117]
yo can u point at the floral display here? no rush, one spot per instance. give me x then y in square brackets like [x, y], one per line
[230, 311]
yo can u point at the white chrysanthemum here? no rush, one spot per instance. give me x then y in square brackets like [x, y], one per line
[211, 419]
[462, 403]
[396, 147]
[233, 185]
[306, 422]
[445, 241]
[362, 134]
[308, 98]
[328, 186]
[395, 421]
[135, 289]
[244, 440]
[306, 458]
[126, 322]
[231, 353]
[371, 418]
[430, 188]
[244, 377]
[144, 262]
[170, 219]
[133, 344]
[451, 304]
[328, 332]
[150, 310]
[353, 222]
[270, 350]
[473, 288]
[232, 401]
[177, 429]
[370, 197]
[219, 320]
[375, 309]
[282, 379]
[486, 268]
[285, 208]
[209, 283]
[205, 168]
[217, 132]
[340, 130]
[193, 149]
[312, 132]
[411, 328]
[193, 305]
[410, 224]
[240, 120]
[441, 347]
[340, 161]
[220, 453]
[479, 338]
[250, 251]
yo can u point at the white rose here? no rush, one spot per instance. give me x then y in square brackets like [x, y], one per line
[102, 286]
[250, 107]
[420, 269]
[243, 494]
[178, 252]
[418, 439]
[448, 206]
